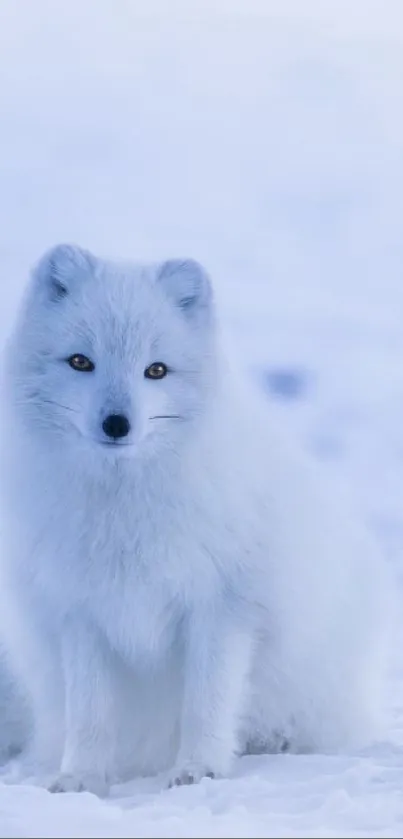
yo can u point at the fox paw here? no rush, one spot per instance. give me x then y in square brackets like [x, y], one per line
[189, 773]
[66, 782]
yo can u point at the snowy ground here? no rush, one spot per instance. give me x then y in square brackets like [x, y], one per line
[266, 139]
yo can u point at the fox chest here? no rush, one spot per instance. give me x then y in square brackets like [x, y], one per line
[139, 613]
[131, 584]
[135, 577]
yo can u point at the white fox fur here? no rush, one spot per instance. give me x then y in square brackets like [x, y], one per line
[189, 592]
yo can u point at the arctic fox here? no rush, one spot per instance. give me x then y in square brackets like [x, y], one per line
[176, 587]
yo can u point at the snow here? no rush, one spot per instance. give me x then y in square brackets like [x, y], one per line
[264, 138]
[276, 797]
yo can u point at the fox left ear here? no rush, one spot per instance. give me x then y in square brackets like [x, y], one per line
[59, 268]
[187, 283]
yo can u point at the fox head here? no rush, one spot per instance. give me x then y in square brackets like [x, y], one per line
[119, 358]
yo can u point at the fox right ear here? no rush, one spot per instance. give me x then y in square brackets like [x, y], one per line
[60, 266]
[187, 284]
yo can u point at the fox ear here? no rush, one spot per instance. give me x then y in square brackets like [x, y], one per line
[60, 266]
[188, 285]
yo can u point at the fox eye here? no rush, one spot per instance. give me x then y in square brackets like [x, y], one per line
[81, 363]
[156, 371]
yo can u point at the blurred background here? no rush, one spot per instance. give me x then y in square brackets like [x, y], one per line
[263, 137]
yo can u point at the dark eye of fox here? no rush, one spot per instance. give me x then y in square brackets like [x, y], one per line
[156, 371]
[81, 363]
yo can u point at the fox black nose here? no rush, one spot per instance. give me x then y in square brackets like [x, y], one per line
[116, 425]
